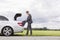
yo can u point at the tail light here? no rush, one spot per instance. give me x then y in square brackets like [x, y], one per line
[20, 24]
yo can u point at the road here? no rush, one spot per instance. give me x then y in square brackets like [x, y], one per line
[30, 38]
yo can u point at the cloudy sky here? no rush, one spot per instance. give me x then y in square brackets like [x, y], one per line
[42, 11]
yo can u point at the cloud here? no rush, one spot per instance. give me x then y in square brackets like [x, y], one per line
[15, 5]
[47, 9]
[43, 10]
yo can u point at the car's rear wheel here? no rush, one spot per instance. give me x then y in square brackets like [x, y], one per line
[7, 31]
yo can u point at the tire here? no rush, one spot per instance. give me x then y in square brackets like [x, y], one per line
[7, 31]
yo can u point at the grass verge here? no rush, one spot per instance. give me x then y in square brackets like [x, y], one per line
[41, 33]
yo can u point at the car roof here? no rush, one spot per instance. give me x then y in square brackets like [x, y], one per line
[9, 16]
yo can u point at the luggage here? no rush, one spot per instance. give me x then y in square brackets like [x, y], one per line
[23, 22]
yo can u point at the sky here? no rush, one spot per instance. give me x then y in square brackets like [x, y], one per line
[44, 12]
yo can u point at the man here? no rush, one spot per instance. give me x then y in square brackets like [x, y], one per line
[29, 21]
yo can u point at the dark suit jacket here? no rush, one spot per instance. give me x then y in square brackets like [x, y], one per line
[29, 19]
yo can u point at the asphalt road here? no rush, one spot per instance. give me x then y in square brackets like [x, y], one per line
[30, 38]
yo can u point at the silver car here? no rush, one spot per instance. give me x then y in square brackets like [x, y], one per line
[9, 27]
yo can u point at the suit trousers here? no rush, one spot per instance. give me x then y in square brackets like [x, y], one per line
[29, 29]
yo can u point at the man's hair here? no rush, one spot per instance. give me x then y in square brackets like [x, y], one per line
[27, 11]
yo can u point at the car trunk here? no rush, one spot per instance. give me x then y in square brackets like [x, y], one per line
[17, 15]
[20, 23]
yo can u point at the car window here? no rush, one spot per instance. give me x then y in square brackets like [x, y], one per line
[2, 18]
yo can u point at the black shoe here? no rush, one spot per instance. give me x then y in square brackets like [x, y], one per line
[26, 34]
[31, 35]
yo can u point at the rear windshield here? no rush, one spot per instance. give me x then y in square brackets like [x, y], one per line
[17, 15]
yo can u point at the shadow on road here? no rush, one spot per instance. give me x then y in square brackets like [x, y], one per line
[14, 35]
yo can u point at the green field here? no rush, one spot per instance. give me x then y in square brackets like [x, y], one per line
[41, 33]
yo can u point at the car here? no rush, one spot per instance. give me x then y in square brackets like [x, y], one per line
[8, 26]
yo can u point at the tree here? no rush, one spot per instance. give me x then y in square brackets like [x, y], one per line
[45, 28]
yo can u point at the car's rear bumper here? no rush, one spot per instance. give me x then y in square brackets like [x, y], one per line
[19, 29]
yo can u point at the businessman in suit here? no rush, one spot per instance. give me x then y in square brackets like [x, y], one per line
[29, 21]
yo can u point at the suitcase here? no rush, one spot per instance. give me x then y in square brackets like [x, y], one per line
[23, 23]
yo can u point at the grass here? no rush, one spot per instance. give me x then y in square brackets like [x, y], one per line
[41, 33]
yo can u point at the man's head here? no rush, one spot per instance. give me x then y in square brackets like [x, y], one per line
[27, 12]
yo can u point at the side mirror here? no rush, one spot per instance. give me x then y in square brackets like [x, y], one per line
[17, 15]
